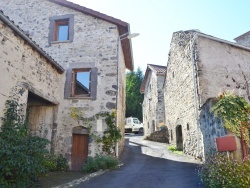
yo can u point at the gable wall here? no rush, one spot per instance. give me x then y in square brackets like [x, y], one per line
[179, 94]
[149, 101]
[24, 68]
[221, 69]
[153, 103]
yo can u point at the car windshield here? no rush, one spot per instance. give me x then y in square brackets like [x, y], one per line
[136, 121]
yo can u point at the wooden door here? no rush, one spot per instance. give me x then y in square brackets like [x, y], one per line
[79, 151]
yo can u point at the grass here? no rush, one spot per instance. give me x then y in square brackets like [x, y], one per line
[175, 150]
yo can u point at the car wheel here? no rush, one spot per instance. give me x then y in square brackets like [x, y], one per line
[141, 130]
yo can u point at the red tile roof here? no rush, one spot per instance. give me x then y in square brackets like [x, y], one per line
[157, 69]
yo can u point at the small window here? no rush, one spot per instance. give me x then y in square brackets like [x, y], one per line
[61, 32]
[81, 82]
[188, 126]
[61, 28]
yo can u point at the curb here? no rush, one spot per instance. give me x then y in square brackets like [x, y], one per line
[83, 179]
[80, 180]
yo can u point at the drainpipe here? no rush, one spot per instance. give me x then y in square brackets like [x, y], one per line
[118, 86]
[128, 36]
[195, 95]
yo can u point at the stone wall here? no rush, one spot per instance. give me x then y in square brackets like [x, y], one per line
[94, 43]
[211, 126]
[179, 96]
[153, 103]
[222, 68]
[22, 67]
[160, 107]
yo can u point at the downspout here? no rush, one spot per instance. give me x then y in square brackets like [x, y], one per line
[118, 86]
[195, 95]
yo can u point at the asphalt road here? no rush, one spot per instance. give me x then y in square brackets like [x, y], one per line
[142, 171]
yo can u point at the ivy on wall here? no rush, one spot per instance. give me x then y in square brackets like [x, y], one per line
[110, 136]
[234, 110]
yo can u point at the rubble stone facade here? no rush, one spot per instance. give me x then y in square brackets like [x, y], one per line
[153, 102]
[27, 75]
[199, 69]
[94, 45]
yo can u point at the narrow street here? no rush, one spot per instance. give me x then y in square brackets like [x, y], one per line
[140, 170]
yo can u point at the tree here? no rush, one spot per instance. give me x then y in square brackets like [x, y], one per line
[134, 98]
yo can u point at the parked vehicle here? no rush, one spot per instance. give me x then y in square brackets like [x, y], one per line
[134, 125]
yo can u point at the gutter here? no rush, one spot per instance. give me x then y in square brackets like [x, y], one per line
[30, 42]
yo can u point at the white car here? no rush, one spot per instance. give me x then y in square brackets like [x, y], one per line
[134, 125]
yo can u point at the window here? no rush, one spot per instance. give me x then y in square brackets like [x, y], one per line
[61, 28]
[81, 82]
[61, 32]
[136, 121]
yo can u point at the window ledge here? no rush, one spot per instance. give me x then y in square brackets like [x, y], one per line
[56, 42]
[79, 97]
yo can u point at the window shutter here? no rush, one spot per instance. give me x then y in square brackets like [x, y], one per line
[67, 88]
[93, 88]
[73, 83]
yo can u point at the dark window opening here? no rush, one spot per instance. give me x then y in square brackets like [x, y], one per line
[188, 126]
[81, 82]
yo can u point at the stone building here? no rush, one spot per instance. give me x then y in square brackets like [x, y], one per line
[200, 68]
[88, 45]
[153, 102]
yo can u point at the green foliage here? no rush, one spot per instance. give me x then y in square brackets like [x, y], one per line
[56, 163]
[175, 150]
[233, 110]
[134, 98]
[100, 162]
[22, 156]
[219, 171]
[61, 163]
[111, 135]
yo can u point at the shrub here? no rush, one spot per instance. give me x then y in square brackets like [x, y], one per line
[100, 162]
[22, 156]
[56, 163]
[219, 171]
[61, 163]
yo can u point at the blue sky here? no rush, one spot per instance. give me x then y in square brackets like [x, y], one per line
[156, 20]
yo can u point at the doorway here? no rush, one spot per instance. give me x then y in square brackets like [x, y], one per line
[179, 138]
[80, 143]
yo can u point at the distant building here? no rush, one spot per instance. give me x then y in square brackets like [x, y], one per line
[153, 102]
